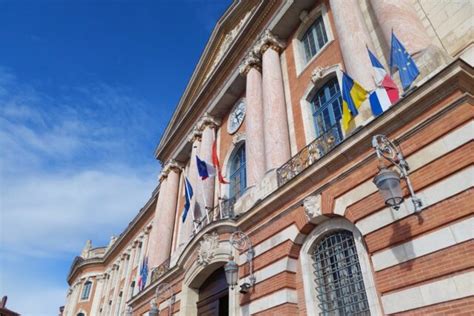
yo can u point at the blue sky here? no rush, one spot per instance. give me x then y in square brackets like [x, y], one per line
[86, 89]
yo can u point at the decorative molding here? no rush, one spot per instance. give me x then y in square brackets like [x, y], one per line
[250, 61]
[226, 43]
[321, 72]
[207, 120]
[268, 40]
[170, 165]
[238, 137]
[312, 207]
[195, 135]
[207, 248]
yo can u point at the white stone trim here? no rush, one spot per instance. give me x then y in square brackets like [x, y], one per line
[309, 285]
[434, 241]
[447, 289]
[433, 151]
[444, 189]
[305, 101]
[164, 304]
[298, 47]
[289, 233]
[276, 298]
[282, 265]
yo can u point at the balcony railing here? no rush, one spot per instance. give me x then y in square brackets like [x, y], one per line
[224, 210]
[309, 155]
[160, 270]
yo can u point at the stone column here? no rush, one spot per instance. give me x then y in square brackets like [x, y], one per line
[276, 136]
[156, 235]
[126, 287]
[196, 202]
[163, 227]
[401, 17]
[207, 125]
[254, 142]
[99, 287]
[353, 39]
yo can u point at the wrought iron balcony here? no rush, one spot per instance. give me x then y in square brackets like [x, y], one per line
[309, 155]
[224, 210]
[160, 270]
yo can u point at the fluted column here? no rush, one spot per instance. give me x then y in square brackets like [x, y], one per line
[401, 17]
[208, 126]
[276, 136]
[128, 276]
[353, 39]
[155, 235]
[254, 142]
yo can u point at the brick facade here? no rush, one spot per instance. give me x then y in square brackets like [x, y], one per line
[412, 263]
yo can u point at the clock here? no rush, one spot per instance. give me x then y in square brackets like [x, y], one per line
[236, 117]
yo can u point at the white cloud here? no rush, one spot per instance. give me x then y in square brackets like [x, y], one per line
[71, 169]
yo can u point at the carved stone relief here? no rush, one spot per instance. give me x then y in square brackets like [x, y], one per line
[312, 207]
[207, 248]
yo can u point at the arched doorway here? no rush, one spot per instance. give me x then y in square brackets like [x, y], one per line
[214, 295]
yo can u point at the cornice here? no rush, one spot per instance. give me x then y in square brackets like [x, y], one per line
[189, 108]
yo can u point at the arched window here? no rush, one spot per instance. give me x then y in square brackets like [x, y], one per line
[80, 314]
[86, 290]
[338, 276]
[327, 110]
[238, 172]
[314, 38]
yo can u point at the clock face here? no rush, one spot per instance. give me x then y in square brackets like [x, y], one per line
[236, 117]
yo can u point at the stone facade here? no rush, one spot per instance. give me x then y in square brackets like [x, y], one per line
[303, 186]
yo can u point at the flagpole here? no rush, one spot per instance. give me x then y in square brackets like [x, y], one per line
[205, 202]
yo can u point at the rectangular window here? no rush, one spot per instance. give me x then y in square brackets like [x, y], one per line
[314, 39]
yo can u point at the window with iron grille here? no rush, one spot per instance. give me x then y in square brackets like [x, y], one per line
[314, 39]
[339, 282]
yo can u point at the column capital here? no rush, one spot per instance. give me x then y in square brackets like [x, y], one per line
[170, 165]
[250, 61]
[207, 120]
[268, 40]
[195, 135]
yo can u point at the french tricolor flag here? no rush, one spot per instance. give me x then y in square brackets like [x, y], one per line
[386, 92]
[205, 170]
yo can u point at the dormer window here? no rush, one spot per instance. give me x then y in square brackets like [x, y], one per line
[314, 39]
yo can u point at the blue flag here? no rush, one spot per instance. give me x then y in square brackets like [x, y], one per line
[188, 194]
[401, 60]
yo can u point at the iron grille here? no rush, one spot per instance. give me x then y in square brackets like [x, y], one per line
[340, 286]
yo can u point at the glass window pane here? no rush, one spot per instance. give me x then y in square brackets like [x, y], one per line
[314, 38]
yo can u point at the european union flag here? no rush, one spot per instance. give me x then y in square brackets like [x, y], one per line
[401, 60]
[188, 195]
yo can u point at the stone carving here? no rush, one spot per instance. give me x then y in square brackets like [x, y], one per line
[171, 165]
[86, 250]
[252, 60]
[226, 42]
[207, 120]
[312, 206]
[320, 72]
[195, 134]
[268, 40]
[207, 248]
[238, 137]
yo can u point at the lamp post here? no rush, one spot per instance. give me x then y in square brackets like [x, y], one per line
[240, 241]
[129, 311]
[154, 311]
[388, 181]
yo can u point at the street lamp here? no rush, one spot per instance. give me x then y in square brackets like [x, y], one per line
[231, 273]
[154, 311]
[240, 241]
[129, 311]
[388, 181]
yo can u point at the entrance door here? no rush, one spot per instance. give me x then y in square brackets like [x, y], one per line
[214, 295]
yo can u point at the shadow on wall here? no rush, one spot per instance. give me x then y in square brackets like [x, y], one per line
[404, 229]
